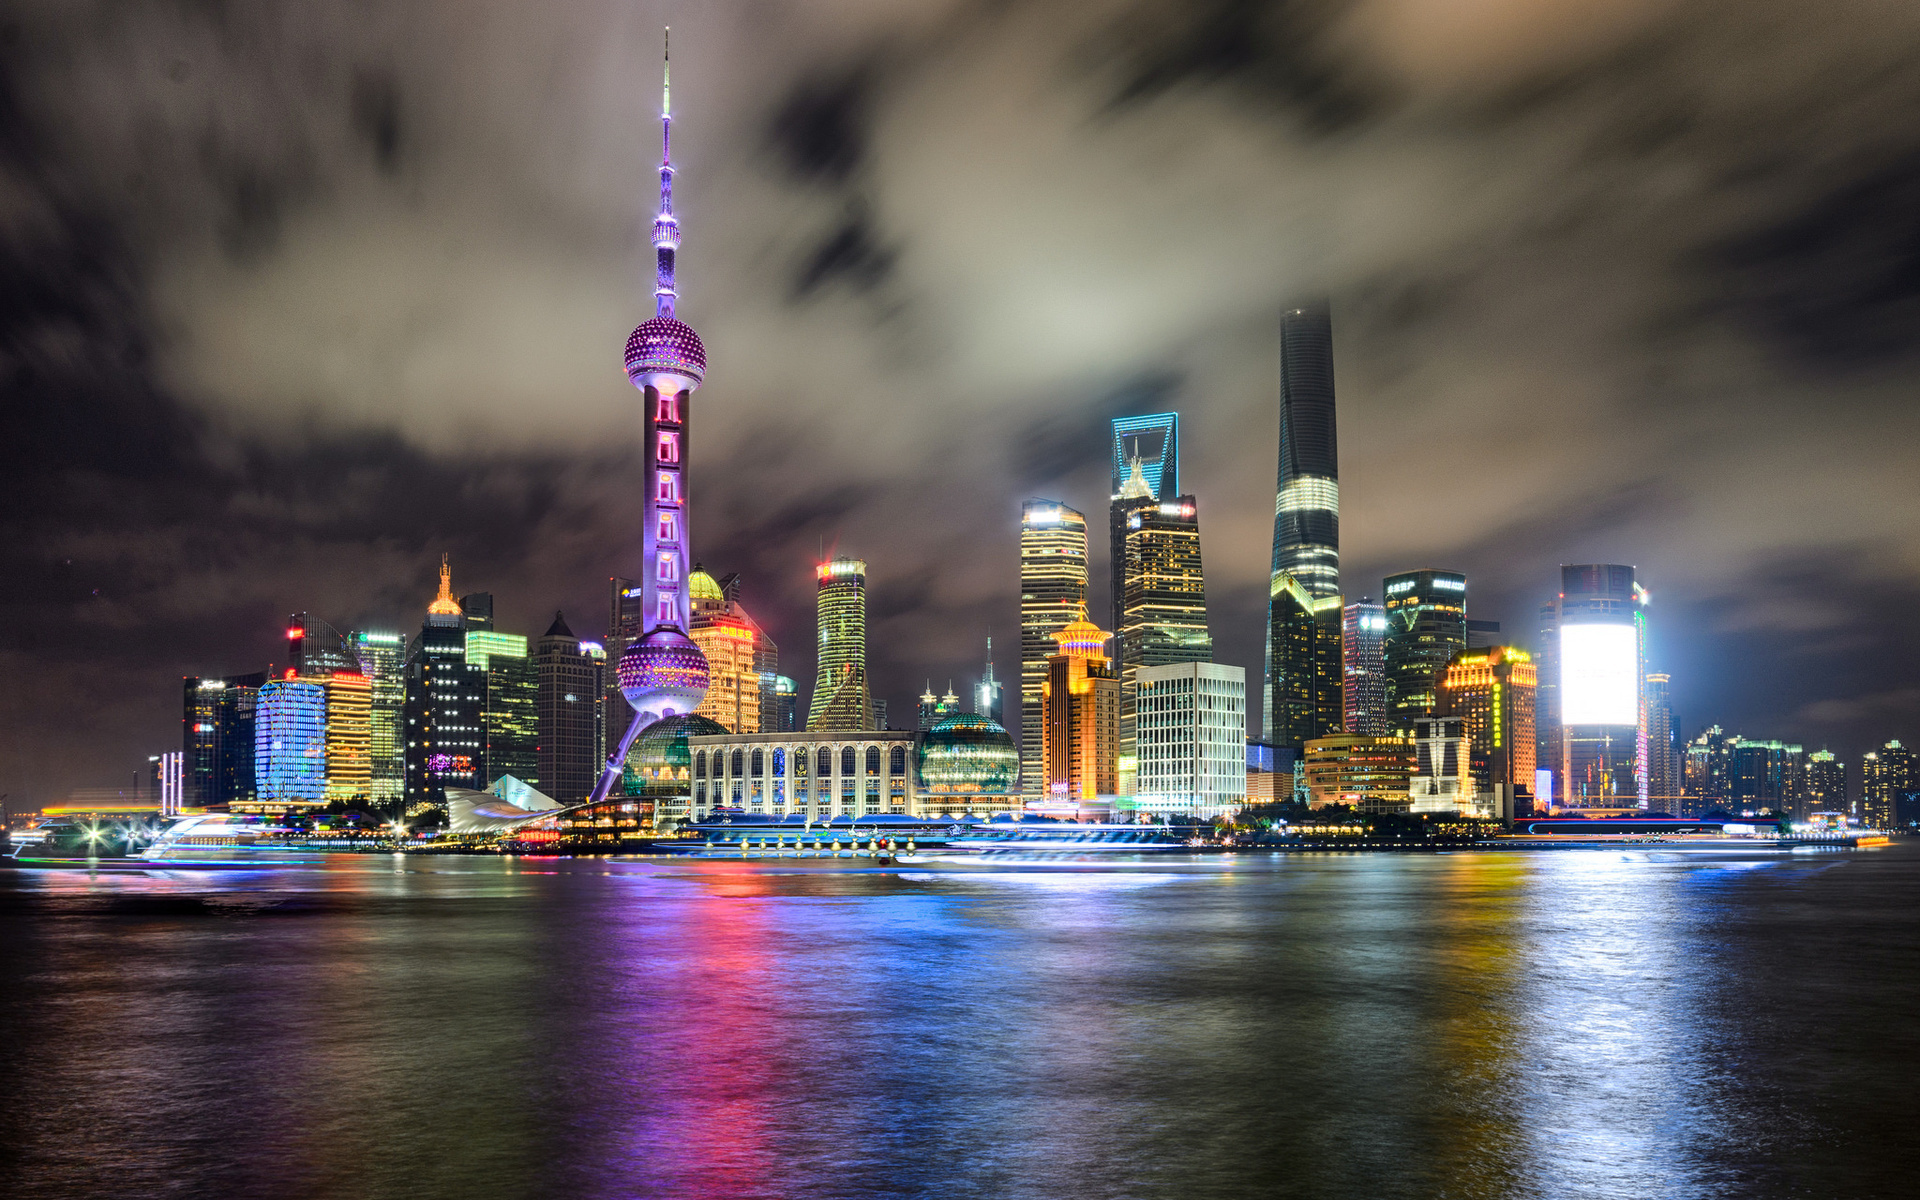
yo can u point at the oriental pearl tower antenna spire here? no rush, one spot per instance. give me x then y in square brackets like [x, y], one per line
[663, 673]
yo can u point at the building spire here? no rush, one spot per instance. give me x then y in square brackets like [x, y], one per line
[666, 230]
[444, 603]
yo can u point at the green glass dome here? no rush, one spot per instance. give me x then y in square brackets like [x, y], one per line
[659, 763]
[968, 755]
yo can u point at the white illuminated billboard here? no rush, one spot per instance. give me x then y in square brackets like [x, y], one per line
[1599, 675]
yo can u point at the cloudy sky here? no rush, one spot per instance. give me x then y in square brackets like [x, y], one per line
[299, 296]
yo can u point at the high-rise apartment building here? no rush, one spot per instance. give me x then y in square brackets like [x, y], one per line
[290, 746]
[1826, 783]
[1302, 697]
[1768, 776]
[1145, 461]
[1495, 692]
[1707, 768]
[217, 739]
[1191, 726]
[1601, 663]
[842, 699]
[571, 681]
[381, 656]
[1080, 699]
[511, 709]
[1889, 785]
[446, 696]
[1363, 679]
[1164, 598]
[1053, 594]
[1426, 626]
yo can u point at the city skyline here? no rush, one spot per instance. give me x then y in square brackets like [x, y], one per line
[229, 513]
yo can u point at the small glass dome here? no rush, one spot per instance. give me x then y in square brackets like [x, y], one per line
[968, 755]
[659, 763]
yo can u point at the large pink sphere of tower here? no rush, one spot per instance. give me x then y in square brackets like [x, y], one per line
[663, 673]
[664, 346]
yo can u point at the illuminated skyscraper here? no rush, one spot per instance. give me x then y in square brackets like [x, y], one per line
[1546, 656]
[217, 739]
[1494, 692]
[445, 703]
[349, 738]
[1080, 699]
[1601, 662]
[1426, 626]
[315, 648]
[511, 711]
[841, 699]
[1666, 784]
[1164, 597]
[1889, 785]
[733, 688]
[1191, 719]
[625, 624]
[1826, 783]
[1768, 776]
[662, 673]
[766, 654]
[1053, 593]
[1306, 511]
[987, 700]
[1145, 451]
[290, 745]
[1363, 679]
[382, 658]
[786, 696]
[935, 709]
[571, 681]
[1302, 695]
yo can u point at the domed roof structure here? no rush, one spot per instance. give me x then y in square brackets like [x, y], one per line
[702, 586]
[968, 755]
[659, 763]
[664, 344]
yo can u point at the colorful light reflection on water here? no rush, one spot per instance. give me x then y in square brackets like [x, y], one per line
[1558, 1024]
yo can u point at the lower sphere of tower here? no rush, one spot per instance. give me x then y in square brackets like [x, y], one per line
[663, 672]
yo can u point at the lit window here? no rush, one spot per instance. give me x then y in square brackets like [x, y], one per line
[669, 568]
[667, 408]
[668, 490]
[669, 528]
[668, 450]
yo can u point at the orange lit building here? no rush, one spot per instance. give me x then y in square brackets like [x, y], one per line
[733, 696]
[1493, 691]
[1080, 707]
[1369, 773]
[349, 737]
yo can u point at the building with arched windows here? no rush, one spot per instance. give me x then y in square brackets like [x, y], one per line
[817, 776]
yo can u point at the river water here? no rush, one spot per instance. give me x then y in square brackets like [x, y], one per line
[1553, 1024]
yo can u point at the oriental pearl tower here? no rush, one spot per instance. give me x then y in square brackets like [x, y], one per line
[662, 673]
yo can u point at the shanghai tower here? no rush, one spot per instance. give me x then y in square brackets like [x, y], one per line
[1303, 697]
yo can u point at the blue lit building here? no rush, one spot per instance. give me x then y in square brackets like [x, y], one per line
[1155, 441]
[290, 744]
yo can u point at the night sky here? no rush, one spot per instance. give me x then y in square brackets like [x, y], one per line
[299, 296]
